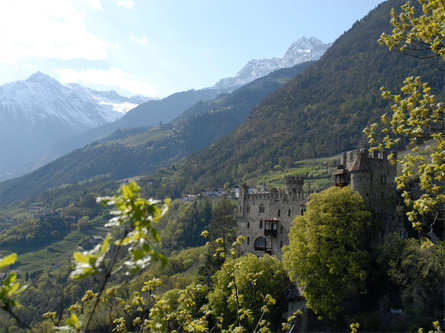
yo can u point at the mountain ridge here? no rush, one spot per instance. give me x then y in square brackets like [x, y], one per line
[137, 151]
[303, 50]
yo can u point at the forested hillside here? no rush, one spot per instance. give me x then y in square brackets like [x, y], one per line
[319, 113]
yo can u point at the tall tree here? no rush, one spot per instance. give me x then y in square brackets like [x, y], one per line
[327, 253]
[416, 116]
[223, 223]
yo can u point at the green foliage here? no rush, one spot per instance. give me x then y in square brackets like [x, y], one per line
[316, 172]
[420, 36]
[418, 274]
[241, 286]
[436, 328]
[327, 253]
[32, 232]
[418, 118]
[134, 221]
[181, 310]
[182, 225]
[10, 288]
[416, 115]
[223, 223]
[135, 218]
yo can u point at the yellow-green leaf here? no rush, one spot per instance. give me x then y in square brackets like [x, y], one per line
[8, 260]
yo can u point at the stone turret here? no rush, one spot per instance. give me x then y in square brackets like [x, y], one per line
[294, 187]
[361, 173]
[243, 192]
[373, 176]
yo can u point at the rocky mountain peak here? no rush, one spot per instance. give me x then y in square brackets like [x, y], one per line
[40, 77]
[304, 49]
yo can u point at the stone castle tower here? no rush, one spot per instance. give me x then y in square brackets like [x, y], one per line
[265, 218]
[373, 176]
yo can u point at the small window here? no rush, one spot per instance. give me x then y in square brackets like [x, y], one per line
[288, 212]
[248, 240]
[281, 229]
[279, 212]
[248, 224]
[302, 212]
[281, 244]
[262, 209]
[261, 224]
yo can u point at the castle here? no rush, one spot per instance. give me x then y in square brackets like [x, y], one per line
[265, 218]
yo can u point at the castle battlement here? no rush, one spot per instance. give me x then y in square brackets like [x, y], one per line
[280, 195]
[350, 157]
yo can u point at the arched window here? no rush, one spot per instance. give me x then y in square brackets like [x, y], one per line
[260, 244]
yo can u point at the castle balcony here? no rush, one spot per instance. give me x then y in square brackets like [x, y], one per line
[271, 227]
[341, 177]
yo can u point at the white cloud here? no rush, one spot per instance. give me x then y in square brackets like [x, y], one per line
[129, 4]
[112, 77]
[46, 29]
[139, 40]
[93, 4]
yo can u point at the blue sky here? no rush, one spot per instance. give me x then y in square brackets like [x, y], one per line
[158, 47]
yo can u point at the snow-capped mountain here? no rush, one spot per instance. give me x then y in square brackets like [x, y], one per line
[40, 112]
[304, 49]
[110, 100]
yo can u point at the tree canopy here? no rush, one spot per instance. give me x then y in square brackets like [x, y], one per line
[327, 253]
[244, 284]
